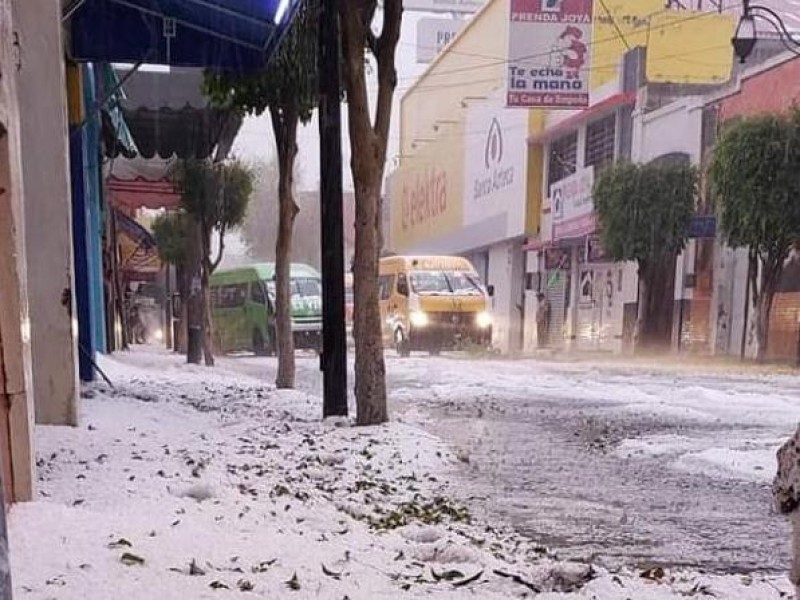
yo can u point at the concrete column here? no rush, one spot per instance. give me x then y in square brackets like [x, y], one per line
[16, 398]
[48, 217]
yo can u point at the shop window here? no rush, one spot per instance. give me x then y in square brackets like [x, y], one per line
[562, 158]
[600, 143]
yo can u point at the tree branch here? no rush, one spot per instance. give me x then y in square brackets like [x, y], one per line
[353, 42]
[387, 73]
[213, 265]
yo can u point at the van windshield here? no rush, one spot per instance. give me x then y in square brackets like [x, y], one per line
[445, 282]
[307, 287]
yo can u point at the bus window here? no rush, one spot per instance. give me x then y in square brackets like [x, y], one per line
[257, 293]
[231, 296]
[386, 286]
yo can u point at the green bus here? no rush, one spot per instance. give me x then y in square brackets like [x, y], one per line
[243, 308]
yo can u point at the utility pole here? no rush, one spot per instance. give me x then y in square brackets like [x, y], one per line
[334, 341]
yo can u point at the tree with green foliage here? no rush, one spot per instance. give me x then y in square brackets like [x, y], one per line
[754, 180]
[215, 196]
[287, 88]
[644, 213]
[171, 231]
[369, 136]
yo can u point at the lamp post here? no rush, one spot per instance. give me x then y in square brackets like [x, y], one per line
[746, 36]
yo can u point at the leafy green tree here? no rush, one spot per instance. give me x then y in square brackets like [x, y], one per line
[644, 213]
[287, 88]
[754, 179]
[368, 140]
[171, 231]
[215, 196]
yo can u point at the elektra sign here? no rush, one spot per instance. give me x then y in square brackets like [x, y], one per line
[497, 175]
[425, 199]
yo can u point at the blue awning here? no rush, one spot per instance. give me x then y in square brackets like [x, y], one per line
[237, 35]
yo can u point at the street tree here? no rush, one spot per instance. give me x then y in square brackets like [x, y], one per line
[754, 180]
[215, 196]
[287, 88]
[369, 136]
[644, 213]
[171, 231]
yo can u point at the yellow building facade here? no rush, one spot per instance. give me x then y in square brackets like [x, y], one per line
[471, 173]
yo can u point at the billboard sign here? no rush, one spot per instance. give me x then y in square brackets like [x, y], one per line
[443, 6]
[435, 34]
[495, 174]
[573, 206]
[549, 53]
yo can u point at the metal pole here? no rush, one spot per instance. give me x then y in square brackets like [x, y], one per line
[334, 343]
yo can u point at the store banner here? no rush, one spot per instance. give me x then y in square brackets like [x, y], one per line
[573, 205]
[549, 53]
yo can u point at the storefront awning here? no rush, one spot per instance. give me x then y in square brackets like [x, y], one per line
[140, 183]
[237, 35]
[168, 115]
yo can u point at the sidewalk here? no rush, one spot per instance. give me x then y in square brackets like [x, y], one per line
[187, 483]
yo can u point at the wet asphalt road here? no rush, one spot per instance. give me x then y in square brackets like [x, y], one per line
[542, 449]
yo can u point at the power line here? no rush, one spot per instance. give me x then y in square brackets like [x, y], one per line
[593, 68]
[497, 61]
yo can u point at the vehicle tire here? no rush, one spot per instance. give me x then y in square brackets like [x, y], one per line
[260, 347]
[401, 343]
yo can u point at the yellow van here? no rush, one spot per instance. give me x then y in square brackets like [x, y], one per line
[432, 303]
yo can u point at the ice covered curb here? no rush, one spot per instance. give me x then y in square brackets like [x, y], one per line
[189, 483]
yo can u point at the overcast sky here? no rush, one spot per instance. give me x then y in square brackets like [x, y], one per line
[255, 140]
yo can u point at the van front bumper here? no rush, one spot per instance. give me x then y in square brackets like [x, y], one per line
[438, 335]
[307, 336]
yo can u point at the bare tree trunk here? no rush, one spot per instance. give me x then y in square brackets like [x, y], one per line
[284, 124]
[640, 331]
[179, 335]
[368, 142]
[194, 301]
[370, 384]
[208, 328]
[771, 270]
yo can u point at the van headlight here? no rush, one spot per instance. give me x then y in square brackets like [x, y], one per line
[418, 319]
[483, 320]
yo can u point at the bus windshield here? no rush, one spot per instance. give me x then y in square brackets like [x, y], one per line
[445, 282]
[307, 287]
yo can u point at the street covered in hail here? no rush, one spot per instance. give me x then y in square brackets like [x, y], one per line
[494, 479]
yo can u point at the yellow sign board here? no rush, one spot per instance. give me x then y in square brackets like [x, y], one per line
[683, 46]
[426, 191]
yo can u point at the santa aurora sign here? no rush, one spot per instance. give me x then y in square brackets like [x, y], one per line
[549, 53]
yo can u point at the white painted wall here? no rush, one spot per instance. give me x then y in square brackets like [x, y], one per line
[45, 160]
[676, 127]
[506, 274]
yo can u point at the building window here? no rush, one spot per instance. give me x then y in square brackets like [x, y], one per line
[562, 159]
[600, 143]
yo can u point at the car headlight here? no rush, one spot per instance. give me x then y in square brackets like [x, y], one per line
[159, 335]
[484, 320]
[419, 319]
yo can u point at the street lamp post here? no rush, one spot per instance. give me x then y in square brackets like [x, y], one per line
[746, 36]
[334, 340]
